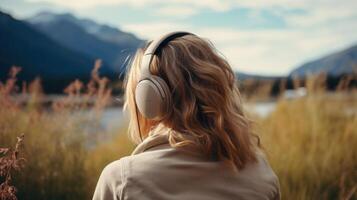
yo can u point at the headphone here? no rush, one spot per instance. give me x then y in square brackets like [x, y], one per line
[152, 94]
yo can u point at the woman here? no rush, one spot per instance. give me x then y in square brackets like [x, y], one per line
[194, 140]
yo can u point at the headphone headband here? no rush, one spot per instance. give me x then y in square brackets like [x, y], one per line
[154, 48]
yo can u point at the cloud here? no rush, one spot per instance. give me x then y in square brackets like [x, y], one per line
[176, 11]
[84, 4]
[320, 16]
[317, 12]
[153, 29]
[217, 5]
[263, 51]
[278, 51]
[312, 12]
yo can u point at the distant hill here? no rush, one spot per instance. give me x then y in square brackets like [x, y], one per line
[336, 64]
[110, 44]
[38, 55]
[244, 76]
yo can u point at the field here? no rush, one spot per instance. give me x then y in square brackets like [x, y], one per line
[310, 142]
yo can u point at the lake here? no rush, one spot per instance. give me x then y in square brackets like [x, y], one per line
[114, 117]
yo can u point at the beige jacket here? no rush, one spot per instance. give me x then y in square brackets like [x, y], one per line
[157, 171]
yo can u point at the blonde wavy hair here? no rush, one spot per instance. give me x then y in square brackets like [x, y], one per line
[206, 111]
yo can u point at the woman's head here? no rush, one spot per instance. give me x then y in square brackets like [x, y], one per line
[205, 110]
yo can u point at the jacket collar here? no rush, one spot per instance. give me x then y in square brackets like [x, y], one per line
[157, 136]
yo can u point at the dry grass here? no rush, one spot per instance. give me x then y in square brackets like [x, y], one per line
[10, 161]
[311, 144]
[63, 161]
[310, 141]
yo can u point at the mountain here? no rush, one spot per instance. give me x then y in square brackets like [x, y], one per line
[110, 44]
[336, 64]
[244, 76]
[38, 55]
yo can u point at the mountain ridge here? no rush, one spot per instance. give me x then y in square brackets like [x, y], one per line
[40, 56]
[334, 64]
[96, 40]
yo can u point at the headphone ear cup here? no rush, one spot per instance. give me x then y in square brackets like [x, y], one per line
[164, 88]
[153, 98]
[149, 99]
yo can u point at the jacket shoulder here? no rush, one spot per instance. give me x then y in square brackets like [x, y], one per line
[111, 181]
[116, 171]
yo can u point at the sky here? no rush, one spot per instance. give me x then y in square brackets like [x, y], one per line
[266, 37]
